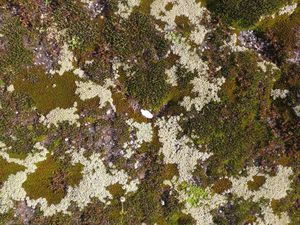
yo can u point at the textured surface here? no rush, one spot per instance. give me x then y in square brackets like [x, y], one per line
[166, 112]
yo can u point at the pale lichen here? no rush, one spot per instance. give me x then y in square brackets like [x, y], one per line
[88, 90]
[59, 115]
[178, 150]
[94, 183]
[278, 93]
[12, 189]
[205, 93]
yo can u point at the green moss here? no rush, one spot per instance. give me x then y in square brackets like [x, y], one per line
[24, 139]
[116, 190]
[237, 212]
[8, 169]
[243, 13]
[145, 6]
[235, 129]
[75, 18]
[7, 217]
[183, 24]
[281, 33]
[148, 85]
[51, 179]
[136, 38]
[169, 171]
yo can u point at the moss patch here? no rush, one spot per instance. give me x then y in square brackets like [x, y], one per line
[256, 183]
[48, 92]
[243, 13]
[8, 169]
[235, 129]
[51, 179]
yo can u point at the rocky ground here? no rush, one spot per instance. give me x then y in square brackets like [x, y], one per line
[166, 112]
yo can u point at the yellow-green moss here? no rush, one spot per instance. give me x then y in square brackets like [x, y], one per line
[48, 92]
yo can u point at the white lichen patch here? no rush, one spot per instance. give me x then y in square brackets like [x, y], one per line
[190, 9]
[144, 132]
[125, 8]
[288, 9]
[59, 115]
[278, 93]
[269, 218]
[297, 110]
[10, 88]
[265, 66]
[65, 61]
[94, 183]
[202, 214]
[53, 34]
[88, 90]
[117, 65]
[12, 189]
[171, 76]
[275, 187]
[285, 10]
[188, 56]
[205, 91]
[180, 151]
[202, 211]
[79, 72]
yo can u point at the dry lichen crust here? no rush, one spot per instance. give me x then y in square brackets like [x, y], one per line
[150, 112]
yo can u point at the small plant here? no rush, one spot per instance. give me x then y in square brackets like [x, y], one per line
[74, 42]
[195, 194]
[47, 2]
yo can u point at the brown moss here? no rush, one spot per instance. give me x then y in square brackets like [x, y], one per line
[256, 183]
[221, 185]
[169, 171]
[116, 190]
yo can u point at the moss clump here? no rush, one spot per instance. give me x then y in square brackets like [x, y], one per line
[148, 85]
[135, 38]
[184, 77]
[235, 129]
[8, 169]
[16, 56]
[237, 212]
[282, 35]
[243, 13]
[51, 179]
[221, 185]
[80, 27]
[24, 138]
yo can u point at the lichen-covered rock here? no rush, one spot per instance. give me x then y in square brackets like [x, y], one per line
[149, 112]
